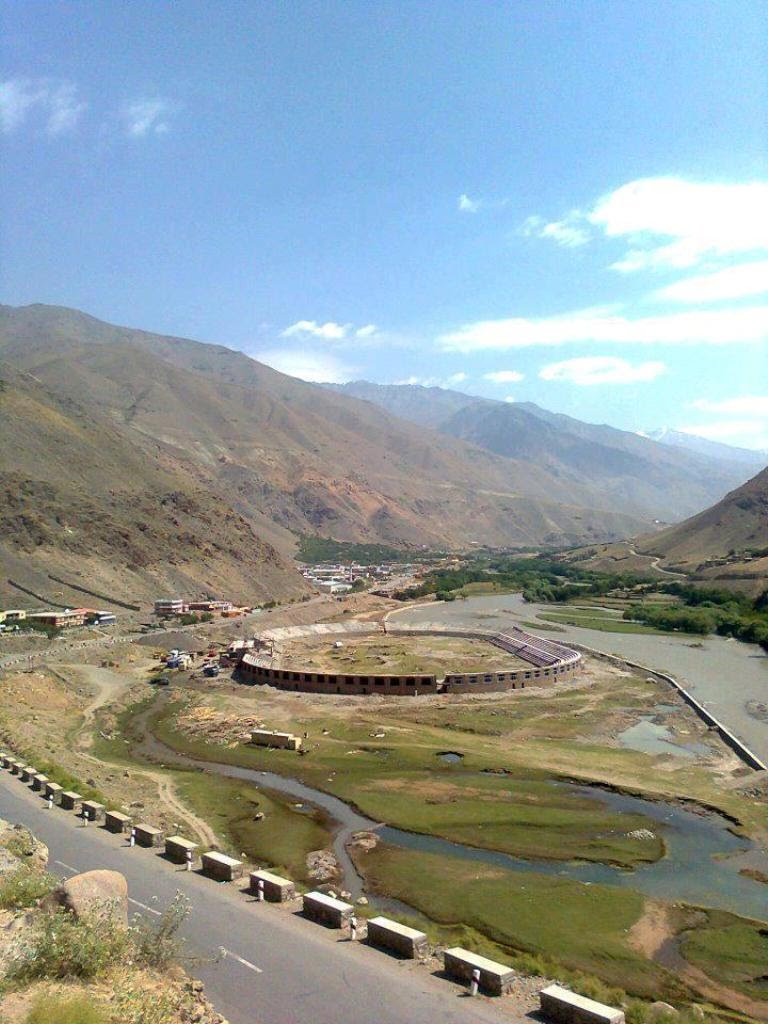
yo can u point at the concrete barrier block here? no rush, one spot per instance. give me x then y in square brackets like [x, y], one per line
[275, 888]
[70, 800]
[117, 822]
[392, 935]
[327, 910]
[53, 789]
[39, 781]
[4, 759]
[562, 1006]
[177, 848]
[92, 810]
[17, 767]
[221, 867]
[27, 772]
[495, 979]
[148, 836]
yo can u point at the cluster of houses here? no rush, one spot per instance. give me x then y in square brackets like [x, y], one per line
[339, 578]
[169, 607]
[59, 618]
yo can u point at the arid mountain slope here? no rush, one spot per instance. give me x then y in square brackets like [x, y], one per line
[621, 469]
[114, 420]
[80, 501]
[728, 542]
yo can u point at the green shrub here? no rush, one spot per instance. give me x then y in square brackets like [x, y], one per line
[61, 946]
[24, 887]
[130, 1005]
[158, 945]
[66, 1009]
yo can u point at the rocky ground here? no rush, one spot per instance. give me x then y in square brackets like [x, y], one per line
[128, 993]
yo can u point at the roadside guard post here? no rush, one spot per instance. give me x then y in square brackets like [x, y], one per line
[260, 891]
[50, 801]
[475, 982]
[353, 928]
[189, 860]
[132, 839]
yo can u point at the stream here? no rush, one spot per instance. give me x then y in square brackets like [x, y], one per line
[701, 865]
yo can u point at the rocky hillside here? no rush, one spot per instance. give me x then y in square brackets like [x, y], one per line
[620, 469]
[147, 463]
[727, 543]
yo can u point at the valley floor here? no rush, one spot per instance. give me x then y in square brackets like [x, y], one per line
[504, 790]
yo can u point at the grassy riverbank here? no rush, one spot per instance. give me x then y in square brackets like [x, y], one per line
[603, 623]
[507, 913]
[404, 783]
[280, 841]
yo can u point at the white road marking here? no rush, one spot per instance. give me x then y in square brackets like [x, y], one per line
[245, 963]
[67, 866]
[150, 910]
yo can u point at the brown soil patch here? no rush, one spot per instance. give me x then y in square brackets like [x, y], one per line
[652, 929]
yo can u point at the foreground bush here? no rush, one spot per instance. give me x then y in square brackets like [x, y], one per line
[158, 945]
[64, 1009]
[62, 946]
[24, 887]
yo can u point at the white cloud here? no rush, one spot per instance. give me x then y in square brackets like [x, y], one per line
[703, 327]
[329, 331]
[510, 399]
[570, 232]
[308, 365]
[504, 376]
[601, 370]
[467, 205]
[57, 103]
[64, 109]
[669, 222]
[747, 433]
[435, 382]
[738, 282]
[147, 117]
[744, 405]
[366, 332]
[745, 421]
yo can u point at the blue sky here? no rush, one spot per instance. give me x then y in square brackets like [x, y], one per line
[564, 203]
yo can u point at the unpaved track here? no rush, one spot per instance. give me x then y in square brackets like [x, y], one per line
[109, 686]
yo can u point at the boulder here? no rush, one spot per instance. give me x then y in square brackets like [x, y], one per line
[659, 1010]
[103, 893]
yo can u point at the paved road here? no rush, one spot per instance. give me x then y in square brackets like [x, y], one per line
[279, 968]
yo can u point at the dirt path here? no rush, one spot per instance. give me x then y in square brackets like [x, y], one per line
[651, 930]
[109, 686]
[653, 935]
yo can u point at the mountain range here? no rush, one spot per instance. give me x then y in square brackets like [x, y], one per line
[657, 481]
[149, 464]
[140, 465]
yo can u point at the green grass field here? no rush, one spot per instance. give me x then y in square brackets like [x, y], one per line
[281, 840]
[733, 951]
[581, 927]
[603, 623]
